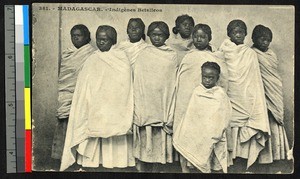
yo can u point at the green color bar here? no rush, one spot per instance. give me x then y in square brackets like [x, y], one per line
[27, 65]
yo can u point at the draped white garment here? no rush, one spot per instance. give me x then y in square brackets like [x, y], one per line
[132, 49]
[249, 122]
[70, 66]
[180, 45]
[268, 63]
[201, 133]
[102, 105]
[189, 77]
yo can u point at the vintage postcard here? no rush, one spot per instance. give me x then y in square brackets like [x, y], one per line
[163, 88]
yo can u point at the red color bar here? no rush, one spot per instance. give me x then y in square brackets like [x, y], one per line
[28, 159]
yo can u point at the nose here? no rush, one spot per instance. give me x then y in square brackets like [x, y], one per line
[199, 39]
[101, 42]
[265, 42]
[238, 35]
[156, 38]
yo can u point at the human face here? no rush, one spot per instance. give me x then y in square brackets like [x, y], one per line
[78, 38]
[103, 42]
[134, 31]
[200, 39]
[262, 43]
[237, 35]
[185, 28]
[209, 77]
[157, 37]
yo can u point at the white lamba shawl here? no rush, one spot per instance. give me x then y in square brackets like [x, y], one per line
[201, 132]
[272, 82]
[189, 77]
[102, 103]
[180, 45]
[71, 63]
[245, 87]
[154, 85]
[132, 49]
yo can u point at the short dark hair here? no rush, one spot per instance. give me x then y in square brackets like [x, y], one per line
[161, 25]
[236, 23]
[205, 28]
[110, 31]
[181, 19]
[83, 29]
[261, 31]
[139, 21]
[212, 65]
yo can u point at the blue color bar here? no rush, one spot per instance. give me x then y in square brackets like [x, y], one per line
[26, 24]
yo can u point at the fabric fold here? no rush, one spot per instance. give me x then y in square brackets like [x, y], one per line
[249, 122]
[180, 45]
[132, 49]
[70, 66]
[102, 103]
[200, 136]
[278, 145]
[189, 77]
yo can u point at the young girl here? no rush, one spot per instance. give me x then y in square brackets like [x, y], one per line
[200, 136]
[268, 63]
[182, 41]
[70, 65]
[102, 109]
[136, 39]
[189, 73]
[249, 123]
[154, 85]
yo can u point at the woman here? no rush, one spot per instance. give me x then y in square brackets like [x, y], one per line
[268, 63]
[102, 110]
[182, 41]
[249, 123]
[70, 64]
[136, 39]
[189, 74]
[154, 85]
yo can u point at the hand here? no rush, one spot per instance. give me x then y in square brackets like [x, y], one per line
[129, 132]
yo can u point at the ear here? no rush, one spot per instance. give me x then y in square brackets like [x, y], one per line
[218, 77]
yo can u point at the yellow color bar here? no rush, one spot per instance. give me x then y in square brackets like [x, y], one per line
[27, 109]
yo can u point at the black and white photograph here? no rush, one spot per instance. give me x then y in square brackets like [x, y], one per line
[163, 88]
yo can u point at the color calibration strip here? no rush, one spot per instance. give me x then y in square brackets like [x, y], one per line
[23, 111]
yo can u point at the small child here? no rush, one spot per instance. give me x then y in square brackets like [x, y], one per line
[200, 136]
[268, 63]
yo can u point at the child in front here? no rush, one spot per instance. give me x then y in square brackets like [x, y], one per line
[200, 136]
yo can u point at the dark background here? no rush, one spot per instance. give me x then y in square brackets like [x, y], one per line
[138, 175]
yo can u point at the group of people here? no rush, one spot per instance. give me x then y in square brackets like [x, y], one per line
[134, 104]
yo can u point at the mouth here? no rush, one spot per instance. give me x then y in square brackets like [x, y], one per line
[207, 85]
[187, 32]
[199, 44]
[133, 34]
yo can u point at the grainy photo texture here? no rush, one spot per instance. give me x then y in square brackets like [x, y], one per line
[163, 88]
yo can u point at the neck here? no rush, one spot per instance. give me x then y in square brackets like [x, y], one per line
[185, 37]
[263, 50]
[134, 41]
